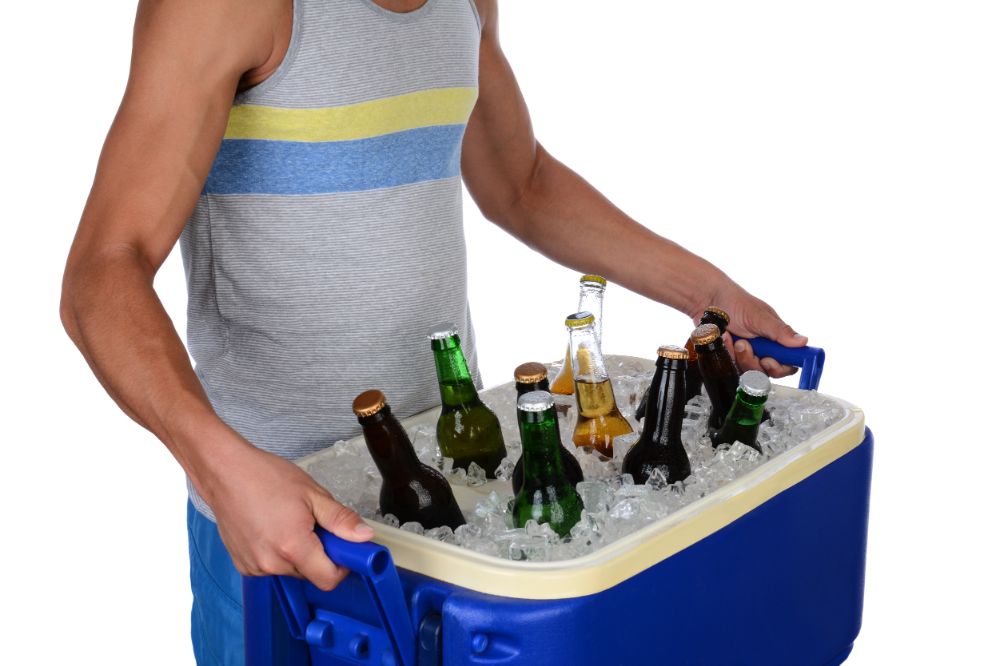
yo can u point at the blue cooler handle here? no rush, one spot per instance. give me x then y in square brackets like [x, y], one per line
[810, 359]
[373, 564]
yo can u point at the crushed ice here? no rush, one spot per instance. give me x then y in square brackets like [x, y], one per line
[613, 505]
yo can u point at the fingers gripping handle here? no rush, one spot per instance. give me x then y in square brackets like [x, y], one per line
[810, 359]
[373, 564]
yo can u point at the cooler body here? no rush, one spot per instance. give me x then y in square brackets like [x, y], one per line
[769, 572]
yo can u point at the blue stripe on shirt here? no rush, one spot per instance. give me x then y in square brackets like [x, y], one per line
[254, 166]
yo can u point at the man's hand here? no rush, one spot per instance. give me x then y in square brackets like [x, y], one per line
[266, 509]
[751, 317]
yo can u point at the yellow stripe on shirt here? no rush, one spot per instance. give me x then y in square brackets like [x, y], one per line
[425, 108]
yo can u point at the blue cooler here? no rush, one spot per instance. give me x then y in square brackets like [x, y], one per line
[767, 570]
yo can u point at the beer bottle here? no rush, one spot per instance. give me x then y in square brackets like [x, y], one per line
[591, 300]
[467, 430]
[548, 495]
[530, 377]
[712, 315]
[410, 489]
[660, 444]
[744, 417]
[598, 419]
[718, 372]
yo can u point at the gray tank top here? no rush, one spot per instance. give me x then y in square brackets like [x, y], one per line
[328, 239]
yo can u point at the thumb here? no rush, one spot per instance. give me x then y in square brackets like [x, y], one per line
[339, 520]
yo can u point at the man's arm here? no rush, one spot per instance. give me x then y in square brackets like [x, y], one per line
[530, 194]
[189, 58]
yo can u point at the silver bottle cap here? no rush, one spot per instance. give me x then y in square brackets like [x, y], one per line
[755, 383]
[442, 332]
[535, 401]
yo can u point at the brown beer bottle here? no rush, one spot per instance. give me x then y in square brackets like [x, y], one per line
[591, 300]
[660, 444]
[530, 377]
[712, 315]
[411, 490]
[598, 419]
[718, 372]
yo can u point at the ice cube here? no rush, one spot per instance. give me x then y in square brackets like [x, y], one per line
[412, 526]
[475, 476]
[390, 520]
[505, 470]
[658, 479]
[621, 445]
[530, 548]
[596, 495]
[443, 533]
[458, 476]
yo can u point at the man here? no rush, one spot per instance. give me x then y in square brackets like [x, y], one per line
[309, 155]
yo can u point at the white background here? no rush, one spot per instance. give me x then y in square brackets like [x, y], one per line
[840, 160]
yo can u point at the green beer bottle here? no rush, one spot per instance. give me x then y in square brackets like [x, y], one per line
[547, 495]
[467, 430]
[744, 417]
[660, 444]
[530, 377]
[591, 300]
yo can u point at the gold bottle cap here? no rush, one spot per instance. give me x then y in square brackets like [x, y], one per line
[755, 383]
[705, 334]
[443, 332]
[673, 353]
[530, 373]
[369, 403]
[535, 401]
[594, 279]
[716, 310]
[579, 320]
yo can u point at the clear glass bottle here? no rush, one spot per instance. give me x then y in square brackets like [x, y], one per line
[598, 420]
[591, 300]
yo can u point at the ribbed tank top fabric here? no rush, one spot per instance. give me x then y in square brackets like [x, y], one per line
[328, 238]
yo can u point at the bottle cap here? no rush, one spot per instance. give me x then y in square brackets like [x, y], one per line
[535, 401]
[719, 312]
[579, 320]
[443, 332]
[369, 403]
[705, 334]
[755, 383]
[530, 373]
[593, 279]
[673, 352]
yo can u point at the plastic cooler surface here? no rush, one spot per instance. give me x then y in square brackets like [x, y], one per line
[768, 569]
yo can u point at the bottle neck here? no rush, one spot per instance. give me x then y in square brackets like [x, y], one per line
[592, 301]
[528, 387]
[712, 318]
[585, 353]
[454, 378]
[664, 417]
[388, 443]
[541, 448]
[747, 409]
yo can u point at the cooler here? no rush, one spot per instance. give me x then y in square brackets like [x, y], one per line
[766, 570]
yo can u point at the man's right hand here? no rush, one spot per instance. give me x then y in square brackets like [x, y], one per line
[266, 509]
